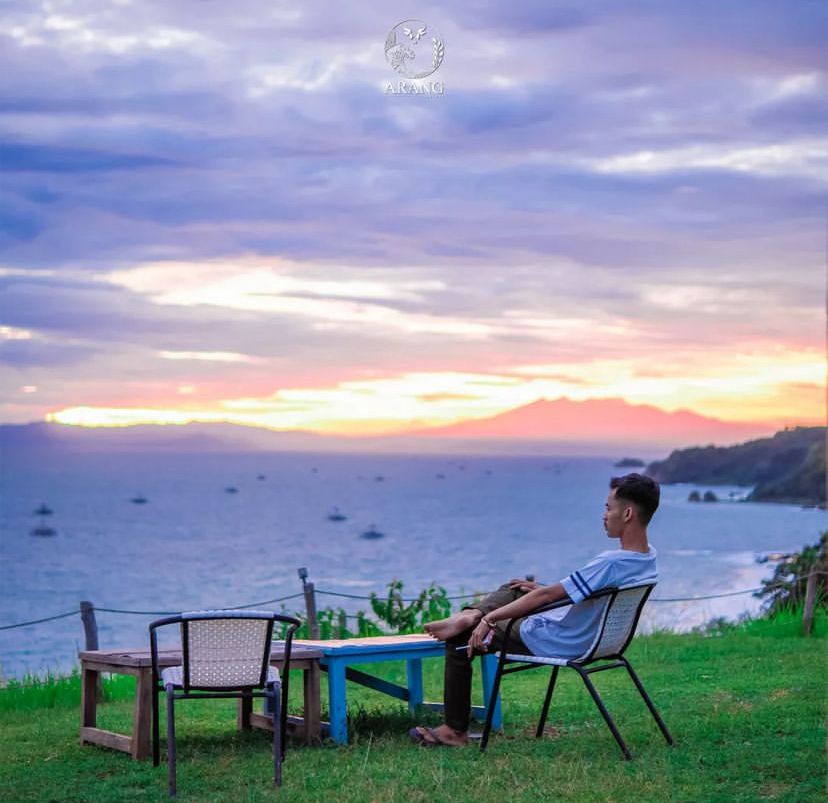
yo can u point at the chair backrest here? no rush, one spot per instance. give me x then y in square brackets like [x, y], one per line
[619, 619]
[224, 649]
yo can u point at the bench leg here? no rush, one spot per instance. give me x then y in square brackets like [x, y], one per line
[142, 722]
[311, 683]
[89, 699]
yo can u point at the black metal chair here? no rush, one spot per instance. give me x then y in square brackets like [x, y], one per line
[224, 654]
[617, 623]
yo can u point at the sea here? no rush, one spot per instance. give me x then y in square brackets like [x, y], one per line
[222, 530]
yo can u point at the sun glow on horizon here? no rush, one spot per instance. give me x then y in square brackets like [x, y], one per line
[781, 385]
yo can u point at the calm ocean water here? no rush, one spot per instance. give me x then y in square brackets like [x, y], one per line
[468, 523]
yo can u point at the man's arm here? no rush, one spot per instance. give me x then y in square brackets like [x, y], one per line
[520, 607]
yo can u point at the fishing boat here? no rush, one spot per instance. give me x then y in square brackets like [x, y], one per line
[231, 489]
[42, 530]
[138, 500]
[372, 533]
[43, 510]
[335, 514]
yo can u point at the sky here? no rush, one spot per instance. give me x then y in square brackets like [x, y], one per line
[234, 211]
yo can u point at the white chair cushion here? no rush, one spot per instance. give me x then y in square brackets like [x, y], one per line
[174, 675]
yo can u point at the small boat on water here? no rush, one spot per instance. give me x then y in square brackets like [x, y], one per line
[372, 533]
[43, 510]
[261, 477]
[335, 514]
[138, 500]
[42, 530]
[231, 489]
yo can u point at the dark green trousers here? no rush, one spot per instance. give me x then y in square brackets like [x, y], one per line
[458, 672]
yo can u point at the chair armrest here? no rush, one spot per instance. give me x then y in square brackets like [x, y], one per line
[561, 603]
[167, 620]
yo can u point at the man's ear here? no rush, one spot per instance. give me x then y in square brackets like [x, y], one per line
[628, 513]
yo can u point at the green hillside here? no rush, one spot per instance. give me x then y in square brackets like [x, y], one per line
[788, 467]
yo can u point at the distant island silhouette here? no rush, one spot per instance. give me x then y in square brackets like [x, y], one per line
[629, 462]
[788, 467]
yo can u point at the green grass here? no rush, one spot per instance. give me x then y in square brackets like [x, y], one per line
[746, 706]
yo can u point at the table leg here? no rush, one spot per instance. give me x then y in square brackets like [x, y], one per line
[142, 723]
[337, 701]
[414, 673]
[488, 669]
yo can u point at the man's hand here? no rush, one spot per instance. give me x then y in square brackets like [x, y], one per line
[523, 585]
[480, 638]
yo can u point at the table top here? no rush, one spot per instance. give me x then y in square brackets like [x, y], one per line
[140, 657]
[376, 645]
[303, 649]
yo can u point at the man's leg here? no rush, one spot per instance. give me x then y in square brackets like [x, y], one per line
[457, 678]
[457, 683]
[470, 615]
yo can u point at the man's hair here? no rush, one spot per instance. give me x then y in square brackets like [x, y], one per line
[641, 490]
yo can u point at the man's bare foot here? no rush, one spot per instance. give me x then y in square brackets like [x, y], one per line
[445, 629]
[441, 735]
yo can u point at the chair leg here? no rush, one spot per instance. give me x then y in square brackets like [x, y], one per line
[278, 748]
[604, 713]
[171, 739]
[283, 697]
[490, 706]
[246, 708]
[656, 716]
[546, 702]
[156, 747]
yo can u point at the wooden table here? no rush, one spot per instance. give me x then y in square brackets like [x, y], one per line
[139, 664]
[339, 654]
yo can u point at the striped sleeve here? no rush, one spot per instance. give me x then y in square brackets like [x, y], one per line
[587, 580]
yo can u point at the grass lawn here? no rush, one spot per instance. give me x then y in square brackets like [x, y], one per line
[746, 707]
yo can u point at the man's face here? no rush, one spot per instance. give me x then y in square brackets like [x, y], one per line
[614, 515]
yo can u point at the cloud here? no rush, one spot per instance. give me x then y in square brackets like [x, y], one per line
[210, 179]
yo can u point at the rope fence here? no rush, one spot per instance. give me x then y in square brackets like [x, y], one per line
[368, 598]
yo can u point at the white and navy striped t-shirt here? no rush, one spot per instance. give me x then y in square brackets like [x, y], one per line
[569, 632]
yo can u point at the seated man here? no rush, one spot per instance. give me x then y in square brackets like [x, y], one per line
[565, 632]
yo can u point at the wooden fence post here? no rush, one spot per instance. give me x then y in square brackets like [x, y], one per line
[90, 626]
[810, 600]
[310, 608]
[90, 631]
[811, 590]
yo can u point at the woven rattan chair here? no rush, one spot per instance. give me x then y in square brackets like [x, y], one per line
[225, 654]
[621, 609]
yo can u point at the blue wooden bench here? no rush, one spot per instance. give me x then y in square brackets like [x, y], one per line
[338, 657]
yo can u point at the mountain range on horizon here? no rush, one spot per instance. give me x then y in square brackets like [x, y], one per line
[610, 420]
[596, 426]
